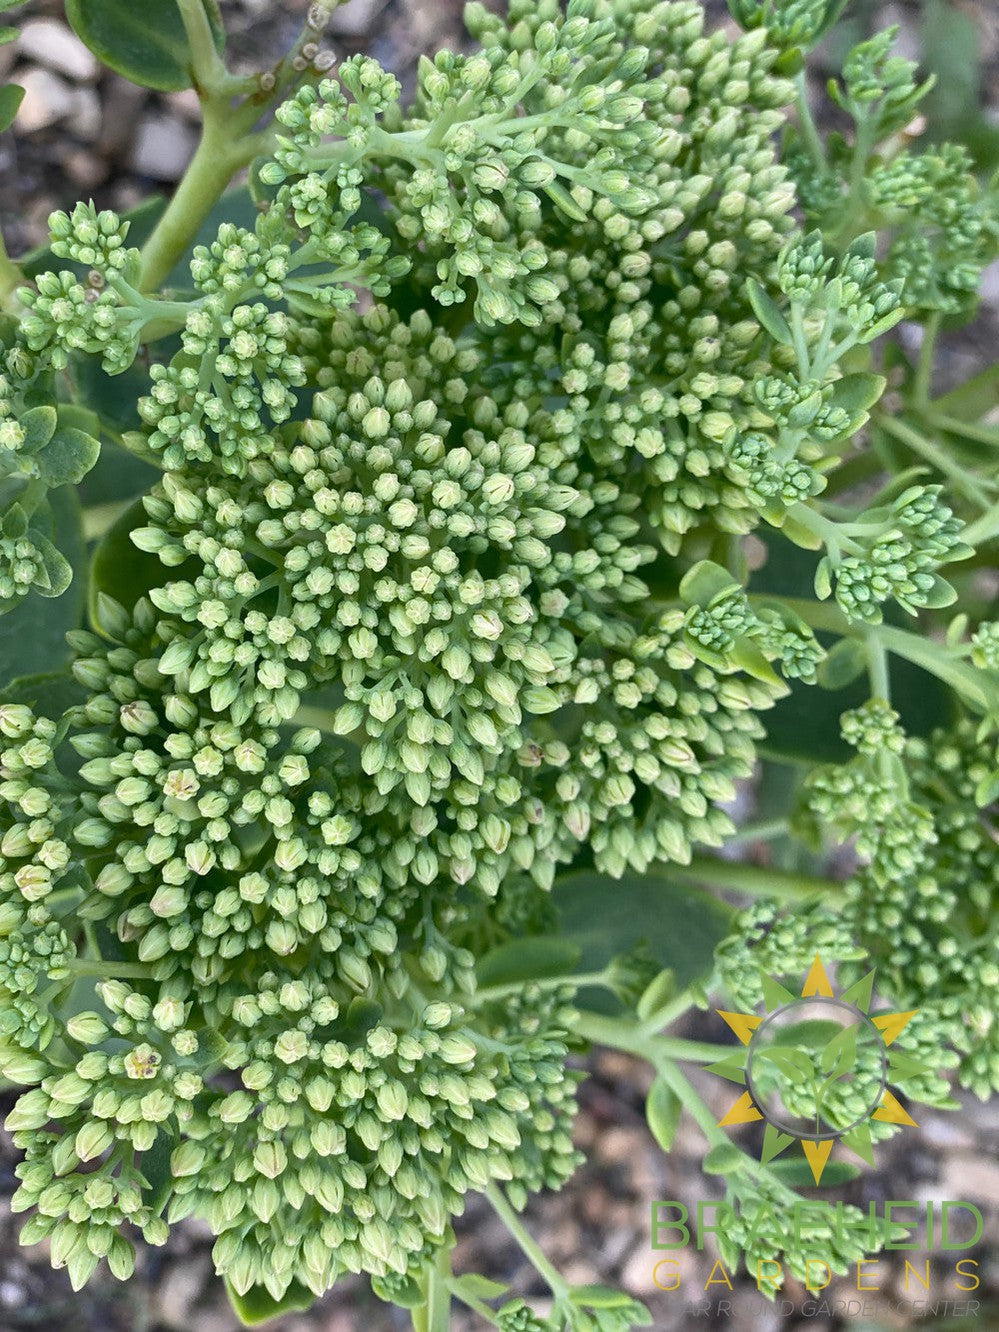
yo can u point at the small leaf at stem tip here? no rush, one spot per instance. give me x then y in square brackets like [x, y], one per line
[477, 1286]
[768, 313]
[663, 1109]
[723, 1159]
[705, 581]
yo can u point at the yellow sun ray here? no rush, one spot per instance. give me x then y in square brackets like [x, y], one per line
[743, 1112]
[743, 1024]
[817, 981]
[891, 1025]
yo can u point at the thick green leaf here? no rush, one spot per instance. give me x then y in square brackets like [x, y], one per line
[564, 201]
[796, 1173]
[662, 1111]
[845, 662]
[605, 917]
[39, 426]
[606, 1297]
[67, 457]
[10, 100]
[723, 1159]
[145, 42]
[156, 1171]
[33, 634]
[523, 960]
[49, 694]
[857, 393]
[58, 570]
[259, 1306]
[656, 995]
[118, 475]
[121, 571]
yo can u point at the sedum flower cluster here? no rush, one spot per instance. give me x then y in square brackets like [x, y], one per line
[440, 587]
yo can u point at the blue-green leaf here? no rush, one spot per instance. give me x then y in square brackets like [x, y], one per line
[145, 42]
[259, 1306]
[33, 634]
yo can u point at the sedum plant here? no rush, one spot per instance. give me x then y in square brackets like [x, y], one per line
[408, 556]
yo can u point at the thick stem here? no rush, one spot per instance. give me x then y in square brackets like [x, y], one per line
[877, 667]
[110, 970]
[209, 72]
[221, 152]
[435, 1314]
[11, 278]
[762, 882]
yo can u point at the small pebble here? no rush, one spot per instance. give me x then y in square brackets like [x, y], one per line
[52, 44]
[47, 99]
[163, 147]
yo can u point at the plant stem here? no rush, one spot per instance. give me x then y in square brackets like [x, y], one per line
[877, 666]
[616, 1034]
[809, 130]
[525, 1242]
[210, 73]
[577, 980]
[11, 278]
[969, 486]
[110, 970]
[763, 882]
[221, 152]
[762, 831]
[435, 1314]
[924, 370]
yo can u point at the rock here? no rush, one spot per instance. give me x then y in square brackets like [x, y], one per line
[47, 99]
[55, 46]
[163, 147]
[123, 103]
[356, 17]
[942, 1134]
[968, 1175]
[180, 1290]
[186, 103]
[643, 1275]
[85, 114]
[84, 169]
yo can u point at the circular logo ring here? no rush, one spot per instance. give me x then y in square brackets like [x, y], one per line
[758, 1101]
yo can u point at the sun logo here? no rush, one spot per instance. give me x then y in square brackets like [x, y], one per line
[817, 1068]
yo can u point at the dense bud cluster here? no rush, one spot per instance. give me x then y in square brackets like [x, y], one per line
[440, 587]
[931, 923]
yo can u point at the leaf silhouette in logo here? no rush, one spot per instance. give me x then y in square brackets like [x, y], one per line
[795, 1065]
[838, 1060]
